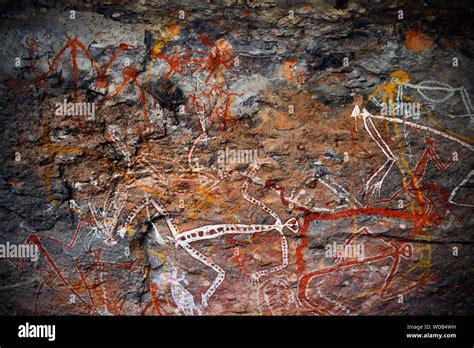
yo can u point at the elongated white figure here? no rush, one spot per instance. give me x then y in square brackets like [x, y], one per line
[375, 135]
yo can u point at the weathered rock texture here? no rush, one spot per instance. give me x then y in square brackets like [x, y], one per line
[217, 167]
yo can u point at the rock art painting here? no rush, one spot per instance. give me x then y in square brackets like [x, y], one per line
[237, 158]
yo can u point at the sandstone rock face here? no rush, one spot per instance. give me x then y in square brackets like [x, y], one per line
[236, 158]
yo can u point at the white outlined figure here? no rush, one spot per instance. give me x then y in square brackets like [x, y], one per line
[462, 183]
[336, 189]
[436, 86]
[401, 81]
[367, 117]
[182, 298]
[393, 92]
[106, 219]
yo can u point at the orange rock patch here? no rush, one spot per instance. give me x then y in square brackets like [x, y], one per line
[416, 41]
[292, 75]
